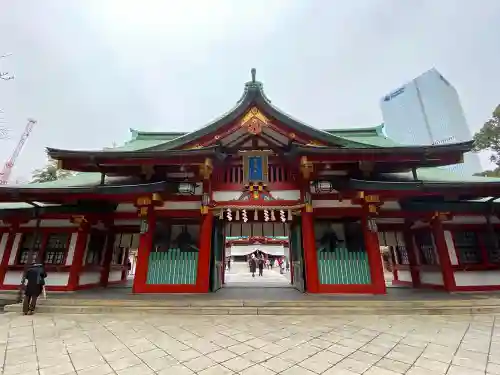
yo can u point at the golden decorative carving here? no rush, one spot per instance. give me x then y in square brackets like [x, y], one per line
[157, 198]
[143, 201]
[308, 207]
[143, 211]
[206, 169]
[194, 147]
[204, 210]
[314, 143]
[79, 220]
[254, 121]
[306, 167]
[442, 216]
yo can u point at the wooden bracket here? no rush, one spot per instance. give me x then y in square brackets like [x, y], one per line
[206, 169]
[306, 168]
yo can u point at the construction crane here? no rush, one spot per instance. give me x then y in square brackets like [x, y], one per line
[7, 168]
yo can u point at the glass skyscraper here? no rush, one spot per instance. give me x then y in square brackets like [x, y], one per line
[427, 111]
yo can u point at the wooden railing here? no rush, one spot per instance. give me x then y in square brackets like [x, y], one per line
[234, 175]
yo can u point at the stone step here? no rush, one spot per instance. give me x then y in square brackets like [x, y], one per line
[303, 303]
[276, 309]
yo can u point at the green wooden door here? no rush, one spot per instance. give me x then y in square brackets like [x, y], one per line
[297, 255]
[217, 256]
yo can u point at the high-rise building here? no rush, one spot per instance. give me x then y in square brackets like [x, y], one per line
[427, 111]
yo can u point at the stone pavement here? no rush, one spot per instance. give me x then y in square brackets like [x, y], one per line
[204, 345]
[239, 275]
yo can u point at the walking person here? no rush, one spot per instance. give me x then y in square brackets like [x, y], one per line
[35, 281]
[287, 264]
[261, 266]
[253, 265]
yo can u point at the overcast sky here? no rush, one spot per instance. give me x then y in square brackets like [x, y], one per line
[90, 70]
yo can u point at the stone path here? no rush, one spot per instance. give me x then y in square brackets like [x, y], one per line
[183, 345]
[239, 275]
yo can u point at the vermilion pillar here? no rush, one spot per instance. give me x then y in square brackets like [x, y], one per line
[77, 263]
[4, 262]
[374, 258]
[203, 273]
[145, 246]
[444, 257]
[310, 256]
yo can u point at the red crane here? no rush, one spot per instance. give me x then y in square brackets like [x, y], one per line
[7, 168]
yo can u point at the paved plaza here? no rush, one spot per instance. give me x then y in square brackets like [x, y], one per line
[240, 275]
[179, 345]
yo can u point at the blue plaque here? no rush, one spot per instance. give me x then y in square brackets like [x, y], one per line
[255, 168]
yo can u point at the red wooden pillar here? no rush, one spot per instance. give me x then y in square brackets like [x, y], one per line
[4, 262]
[374, 257]
[412, 255]
[444, 257]
[203, 273]
[145, 246]
[310, 256]
[77, 262]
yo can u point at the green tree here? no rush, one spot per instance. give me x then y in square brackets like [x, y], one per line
[488, 139]
[50, 173]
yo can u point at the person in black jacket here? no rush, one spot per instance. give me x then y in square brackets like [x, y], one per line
[260, 264]
[253, 265]
[35, 280]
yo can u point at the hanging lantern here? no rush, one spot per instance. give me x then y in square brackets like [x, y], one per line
[322, 187]
[273, 218]
[229, 215]
[244, 215]
[282, 216]
[266, 215]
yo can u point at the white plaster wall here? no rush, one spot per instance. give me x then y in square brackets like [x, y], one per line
[126, 207]
[53, 278]
[221, 196]
[72, 246]
[431, 277]
[3, 244]
[320, 203]
[49, 223]
[286, 195]
[476, 278]
[173, 205]
[15, 247]
[115, 275]
[452, 253]
[391, 206]
[84, 260]
[404, 275]
[91, 277]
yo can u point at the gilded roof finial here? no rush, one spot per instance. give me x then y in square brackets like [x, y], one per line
[253, 71]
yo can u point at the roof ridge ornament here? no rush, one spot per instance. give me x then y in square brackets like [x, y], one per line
[253, 72]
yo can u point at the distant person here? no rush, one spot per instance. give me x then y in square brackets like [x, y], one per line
[261, 266]
[229, 264]
[253, 265]
[287, 264]
[35, 281]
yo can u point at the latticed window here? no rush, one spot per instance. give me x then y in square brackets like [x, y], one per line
[493, 251]
[56, 247]
[28, 240]
[467, 246]
[425, 243]
[95, 248]
[402, 254]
